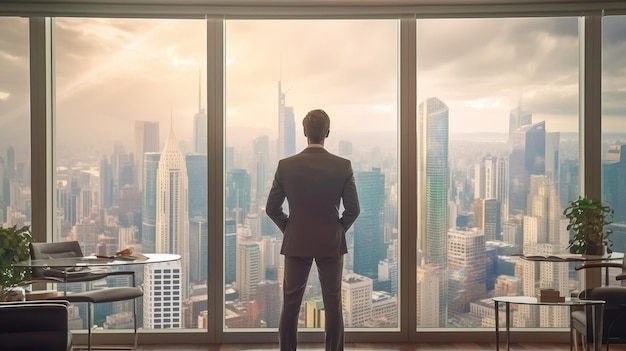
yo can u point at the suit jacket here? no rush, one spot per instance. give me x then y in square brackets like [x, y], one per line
[314, 183]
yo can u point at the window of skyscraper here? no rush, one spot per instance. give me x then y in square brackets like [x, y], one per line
[276, 72]
[613, 127]
[497, 136]
[131, 156]
[15, 200]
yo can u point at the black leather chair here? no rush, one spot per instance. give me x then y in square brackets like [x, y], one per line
[67, 275]
[614, 319]
[35, 325]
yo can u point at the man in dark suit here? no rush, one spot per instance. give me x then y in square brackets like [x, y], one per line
[314, 183]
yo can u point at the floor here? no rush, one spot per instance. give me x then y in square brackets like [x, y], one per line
[376, 347]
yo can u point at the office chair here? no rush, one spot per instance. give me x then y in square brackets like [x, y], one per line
[83, 274]
[614, 319]
[35, 325]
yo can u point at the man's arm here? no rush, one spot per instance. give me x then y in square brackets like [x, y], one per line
[274, 205]
[350, 202]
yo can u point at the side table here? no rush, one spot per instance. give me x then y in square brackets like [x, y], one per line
[597, 310]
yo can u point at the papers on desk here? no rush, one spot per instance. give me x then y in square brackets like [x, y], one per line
[126, 254]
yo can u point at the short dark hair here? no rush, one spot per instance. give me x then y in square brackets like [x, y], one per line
[316, 124]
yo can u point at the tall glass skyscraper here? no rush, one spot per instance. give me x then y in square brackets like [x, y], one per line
[148, 201]
[286, 127]
[146, 140]
[432, 138]
[369, 246]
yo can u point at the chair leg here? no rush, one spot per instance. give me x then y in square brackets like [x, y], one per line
[135, 321]
[89, 307]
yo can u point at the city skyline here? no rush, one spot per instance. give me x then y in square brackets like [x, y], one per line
[447, 165]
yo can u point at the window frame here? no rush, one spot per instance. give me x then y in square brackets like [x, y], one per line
[43, 110]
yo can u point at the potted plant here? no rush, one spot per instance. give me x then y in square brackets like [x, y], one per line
[587, 220]
[13, 248]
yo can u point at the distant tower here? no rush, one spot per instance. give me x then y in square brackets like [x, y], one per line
[519, 118]
[198, 247]
[369, 246]
[146, 140]
[286, 127]
[230, 251]
[200, 125]
[261, 146]
[148, 201]
[198, 185]
[528, 150]
[237, 194]
[433, 188]
[106, 184]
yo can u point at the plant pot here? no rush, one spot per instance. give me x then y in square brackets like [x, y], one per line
[594, 249]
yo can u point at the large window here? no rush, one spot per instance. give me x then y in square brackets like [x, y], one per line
[131, 159]
[277, 71]
[15, 200]
[497, 160]
[613, 128]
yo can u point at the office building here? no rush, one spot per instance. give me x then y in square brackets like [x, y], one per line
[432, 230]
[369, 246]
[146, 140]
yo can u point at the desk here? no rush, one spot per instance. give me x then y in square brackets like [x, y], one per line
[567, 257]
[597, 309]
[91, 261]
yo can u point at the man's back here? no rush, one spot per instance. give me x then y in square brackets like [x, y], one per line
[314, 182]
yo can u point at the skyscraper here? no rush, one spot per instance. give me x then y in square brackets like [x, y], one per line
[198, 185]
[528, 152]
[172, 215]
[146, 140]
[369, 246]
[198, 247]
[518, 118]
[237, 194]
[433, 173]
[249, 268]
[230, 251]
[148, 201]
[200, 132]
[466, 269]
[286, 127]
[172, 235]
[261, 150]
[356, 295]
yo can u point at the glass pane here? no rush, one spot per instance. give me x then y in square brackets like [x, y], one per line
[276, 72]
[613, 130]
[130, 160]
[15, 200]
[497, 161]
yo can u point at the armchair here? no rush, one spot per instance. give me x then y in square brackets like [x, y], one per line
[35, 325]
[614, 319]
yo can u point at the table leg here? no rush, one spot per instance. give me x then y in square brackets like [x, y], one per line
[507, 313]
[597, 312]
[497, 305]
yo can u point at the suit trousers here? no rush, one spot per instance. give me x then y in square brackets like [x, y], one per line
[294, 284]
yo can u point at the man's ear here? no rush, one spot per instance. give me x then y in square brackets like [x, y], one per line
[327, 133]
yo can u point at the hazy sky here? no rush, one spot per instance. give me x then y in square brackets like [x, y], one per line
[112, 72]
